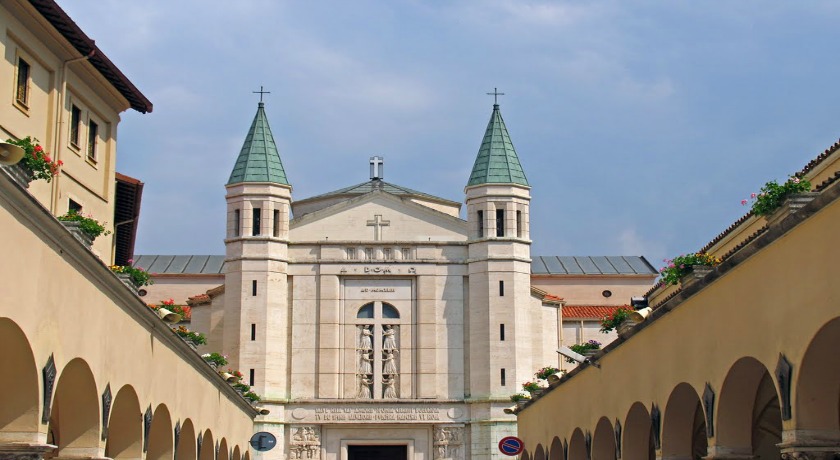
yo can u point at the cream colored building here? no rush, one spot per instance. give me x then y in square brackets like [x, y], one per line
[739, 364]
[374, 320]
[60, 88]
[89, 371]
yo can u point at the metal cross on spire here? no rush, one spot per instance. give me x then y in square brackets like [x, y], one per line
[261, 92]
[496, 95]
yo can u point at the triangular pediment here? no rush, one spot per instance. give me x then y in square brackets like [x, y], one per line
[399, 219]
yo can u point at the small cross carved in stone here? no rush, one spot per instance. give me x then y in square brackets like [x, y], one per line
[377, 223]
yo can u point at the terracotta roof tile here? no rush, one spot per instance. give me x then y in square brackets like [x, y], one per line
[198, 299]
[588, 311]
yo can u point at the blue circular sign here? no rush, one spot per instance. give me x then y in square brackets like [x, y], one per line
[511, 446]
[263, 441]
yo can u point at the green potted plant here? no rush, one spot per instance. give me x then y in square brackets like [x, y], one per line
[193, 339]
[588, 349]
[697, 265]
[546, 372]
[133, 277]
[776, 201]
[35, 164]
[614, 320]
[533, 388]
[84, 228]
[215, 360]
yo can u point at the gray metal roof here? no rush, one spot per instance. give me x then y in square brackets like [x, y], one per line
[591, 265]
[181, 265]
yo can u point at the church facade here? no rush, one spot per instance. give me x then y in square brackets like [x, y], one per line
[374, 321]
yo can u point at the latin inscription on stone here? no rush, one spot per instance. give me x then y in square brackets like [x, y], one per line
[376, 414]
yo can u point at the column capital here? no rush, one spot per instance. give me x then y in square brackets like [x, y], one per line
[810, 445]
[24, 451]
[728, 453]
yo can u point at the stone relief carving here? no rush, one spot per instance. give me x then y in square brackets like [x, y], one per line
[364, 387]
[389, 364]
[449, 442]
[365, 339]
[389, 391]
[305, 442]
[389, 341]
[365, 363]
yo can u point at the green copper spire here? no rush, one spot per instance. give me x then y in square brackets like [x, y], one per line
[259, 159]
[497, 162]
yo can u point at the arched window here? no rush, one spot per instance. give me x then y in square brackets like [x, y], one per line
[366, 311]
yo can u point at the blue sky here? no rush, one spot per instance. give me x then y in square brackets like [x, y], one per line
[640, 124]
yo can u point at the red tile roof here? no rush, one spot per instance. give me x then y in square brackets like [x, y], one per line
[198, 299]
[588, 311]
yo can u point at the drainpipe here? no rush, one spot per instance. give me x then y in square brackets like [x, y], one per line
[57, 135]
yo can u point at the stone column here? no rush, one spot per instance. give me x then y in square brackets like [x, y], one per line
[24, 451]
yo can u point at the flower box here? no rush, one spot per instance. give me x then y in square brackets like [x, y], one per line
[791, 204]
[75, 227]
[696, 273]
[128, 281]
[626, 327]
[20, 174]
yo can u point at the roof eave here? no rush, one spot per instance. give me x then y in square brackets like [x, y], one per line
[74, 35]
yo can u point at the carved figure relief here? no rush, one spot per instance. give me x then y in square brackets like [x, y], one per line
[449, 442]
[389, 341]
[365, 342]
[364, 388]
[377, 366]
[389, 364]
[389, 392]
[365, 363]
[305, 442]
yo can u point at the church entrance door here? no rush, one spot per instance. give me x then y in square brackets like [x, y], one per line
[377, 452]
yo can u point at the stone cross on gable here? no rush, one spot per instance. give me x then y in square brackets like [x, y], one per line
[377, 223]
[377, 167]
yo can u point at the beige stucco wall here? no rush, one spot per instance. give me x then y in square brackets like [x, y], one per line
[771, 303]
[588, 290]
[69, 305]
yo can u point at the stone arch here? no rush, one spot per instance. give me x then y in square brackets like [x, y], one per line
[19, 401]
[577, 446]
[186, 442]
[637, 442]
[125, 426]
[247, 455]
[684, 425]
[748, 416]
[208, 446]
[74, 418]
[556, 452]
[539, 453]
[161, 437]
[223, 450]
[603, 442]
[236, 454]
[525, 455]
[816, 404]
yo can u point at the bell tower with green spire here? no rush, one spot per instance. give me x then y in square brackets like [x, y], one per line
[498, 198]
[256, 306]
